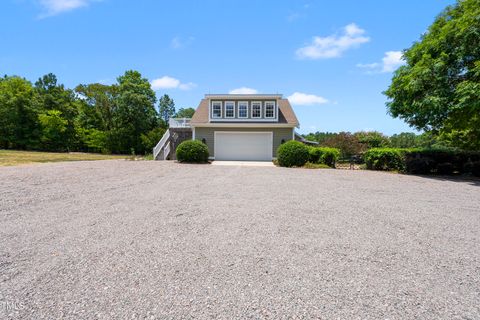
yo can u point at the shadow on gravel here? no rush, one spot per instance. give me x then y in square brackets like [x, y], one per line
[467, 180]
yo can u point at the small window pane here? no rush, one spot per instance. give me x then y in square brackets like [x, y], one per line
[256, 110]
[229, 109]
[242, 110]
[269, 110]
[216, 110]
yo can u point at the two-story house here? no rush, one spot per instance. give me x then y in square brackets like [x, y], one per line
[242, 126]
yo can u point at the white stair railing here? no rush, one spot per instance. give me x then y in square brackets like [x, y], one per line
[166, 151]
[161, 144]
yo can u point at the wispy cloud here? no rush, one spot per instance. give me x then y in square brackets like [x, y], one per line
[304, 99]
[55, 7]
[243, 90]
[179, 42]
[390, 62]
[333, 46]
[167, 82]
[301, 12]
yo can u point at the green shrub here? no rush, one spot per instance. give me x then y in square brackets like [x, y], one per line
[445, 168]
[418, 166]
[475, 168]
[151, 138]
[323, 155]
[193, 151]
[442, 161]
[292, 154]
[384, 159]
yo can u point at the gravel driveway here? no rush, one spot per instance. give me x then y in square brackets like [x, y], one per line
[160, 240]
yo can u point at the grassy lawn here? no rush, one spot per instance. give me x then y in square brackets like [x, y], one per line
[13, 157]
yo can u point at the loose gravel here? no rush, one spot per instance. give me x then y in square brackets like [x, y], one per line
[161, 240]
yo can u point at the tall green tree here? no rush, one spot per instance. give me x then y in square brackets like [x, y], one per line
[19, 128]
[54, 127]
[320, 137]
[438, 89]
[347, 142]
[185, 113]
[166, 108]
[404, 140]
[372, 139]
[100, 102]
[52, 96]
[134, 114]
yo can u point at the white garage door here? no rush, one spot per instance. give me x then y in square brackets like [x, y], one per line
[247, 146]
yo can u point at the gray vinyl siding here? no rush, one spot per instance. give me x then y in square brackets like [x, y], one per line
[249, 110]
[279, 134]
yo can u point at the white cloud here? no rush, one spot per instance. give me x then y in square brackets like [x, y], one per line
[178, 42]
[390, 62]
[334, 45]
[304, 99]
[167, 82]
[243, 90]
[54, 7]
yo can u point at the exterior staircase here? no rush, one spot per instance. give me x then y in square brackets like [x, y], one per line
[179, 130]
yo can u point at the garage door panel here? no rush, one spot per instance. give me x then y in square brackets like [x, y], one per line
[253, 146]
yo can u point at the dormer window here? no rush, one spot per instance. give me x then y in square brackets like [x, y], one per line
[256, 109]
[229, 109]
[269, 109]
[216, 109]
[243, 109]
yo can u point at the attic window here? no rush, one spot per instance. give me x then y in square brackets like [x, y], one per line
[256, 109]
[242, 109]
[216, 109]
[270, 109]
[229, 109]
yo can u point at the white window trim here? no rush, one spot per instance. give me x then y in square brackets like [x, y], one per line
[251, 107]
[238, 109]
[221, 111]
[265, 109]
[226, 115]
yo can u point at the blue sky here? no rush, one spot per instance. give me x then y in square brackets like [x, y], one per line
[331, 58]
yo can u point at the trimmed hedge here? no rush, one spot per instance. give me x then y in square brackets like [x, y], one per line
[428, 161]
[423, 161]
[323, 155]
[384, 159]
[475, 168]
[192, 151]
[292, 154]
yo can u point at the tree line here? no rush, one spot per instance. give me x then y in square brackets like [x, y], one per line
[438, 88]
[119, 118]
[351, 144]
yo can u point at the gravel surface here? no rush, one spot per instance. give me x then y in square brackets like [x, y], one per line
[160, 240]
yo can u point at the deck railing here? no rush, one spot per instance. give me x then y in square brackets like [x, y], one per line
[179, 122]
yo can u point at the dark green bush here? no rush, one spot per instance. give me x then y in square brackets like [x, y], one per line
[445, 168]
[323, 155]
[430, 161]
[193, 151]
[418, 165]
[292, 154]
[424, 161]
[384, 159]
[475, 168]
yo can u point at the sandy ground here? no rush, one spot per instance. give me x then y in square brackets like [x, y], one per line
[160, 240]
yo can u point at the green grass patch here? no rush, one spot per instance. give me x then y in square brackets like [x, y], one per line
[15, 157]
[310, 165]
